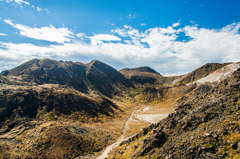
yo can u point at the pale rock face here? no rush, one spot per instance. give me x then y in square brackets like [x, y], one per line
[220, 74]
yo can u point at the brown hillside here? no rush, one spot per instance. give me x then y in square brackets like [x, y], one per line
[141, 75]
[83, 77]
[45, 121]
[206, 126]
[199, 73]
[105, 78]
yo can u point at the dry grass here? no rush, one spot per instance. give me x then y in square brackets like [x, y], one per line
[56, 139]
[134, 127]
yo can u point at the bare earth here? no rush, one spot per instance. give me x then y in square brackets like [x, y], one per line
[220, 74]
[141, 117]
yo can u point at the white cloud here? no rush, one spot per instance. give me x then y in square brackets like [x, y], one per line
[81, 35]
[109, 23]
[2, 34]
[21, 1]
[39, 9]
[192, 22]
[176, 24]
[99, 38]
[158, 48]
[128, 31]
[48, 33]
[130, 16]
[143, 24]
[105, 37]
[233, 28]
[18, 2]
[120, 32]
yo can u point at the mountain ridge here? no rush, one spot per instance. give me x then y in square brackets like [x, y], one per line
[76, 75]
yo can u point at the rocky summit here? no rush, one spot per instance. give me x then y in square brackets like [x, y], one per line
[63, 109]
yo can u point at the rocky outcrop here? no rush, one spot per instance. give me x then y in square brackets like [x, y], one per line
[206, 126]
[199, 73]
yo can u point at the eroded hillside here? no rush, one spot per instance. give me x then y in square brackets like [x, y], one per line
[206, 126]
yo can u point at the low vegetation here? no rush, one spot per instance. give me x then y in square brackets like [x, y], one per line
[56, 109]
[206, 126]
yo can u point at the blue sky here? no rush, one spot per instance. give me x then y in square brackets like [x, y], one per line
[173, 37]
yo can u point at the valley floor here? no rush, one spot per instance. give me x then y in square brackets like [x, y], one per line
[142, 116]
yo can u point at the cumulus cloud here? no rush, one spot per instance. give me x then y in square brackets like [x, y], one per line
[142, 24]
[81, 35]
[163, 49]
[2, 34]
[99, 38]
[128, 31]
[105, 37]
[176, 24]
[48, 33]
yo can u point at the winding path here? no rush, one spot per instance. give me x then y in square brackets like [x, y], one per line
[140, 115]
[120, 139]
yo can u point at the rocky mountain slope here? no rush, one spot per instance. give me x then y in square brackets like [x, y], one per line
[55, 100]
[148, 76]
[199, 73]
[56, 109]
[177, 86]
[220, 74]
[141, 75]
[83, 77]
[206, 126]
[46, 121]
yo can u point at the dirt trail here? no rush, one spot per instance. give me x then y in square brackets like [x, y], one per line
[120, 139]
[142, 115]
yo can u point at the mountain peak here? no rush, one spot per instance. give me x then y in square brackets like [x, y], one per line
[140, 69]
